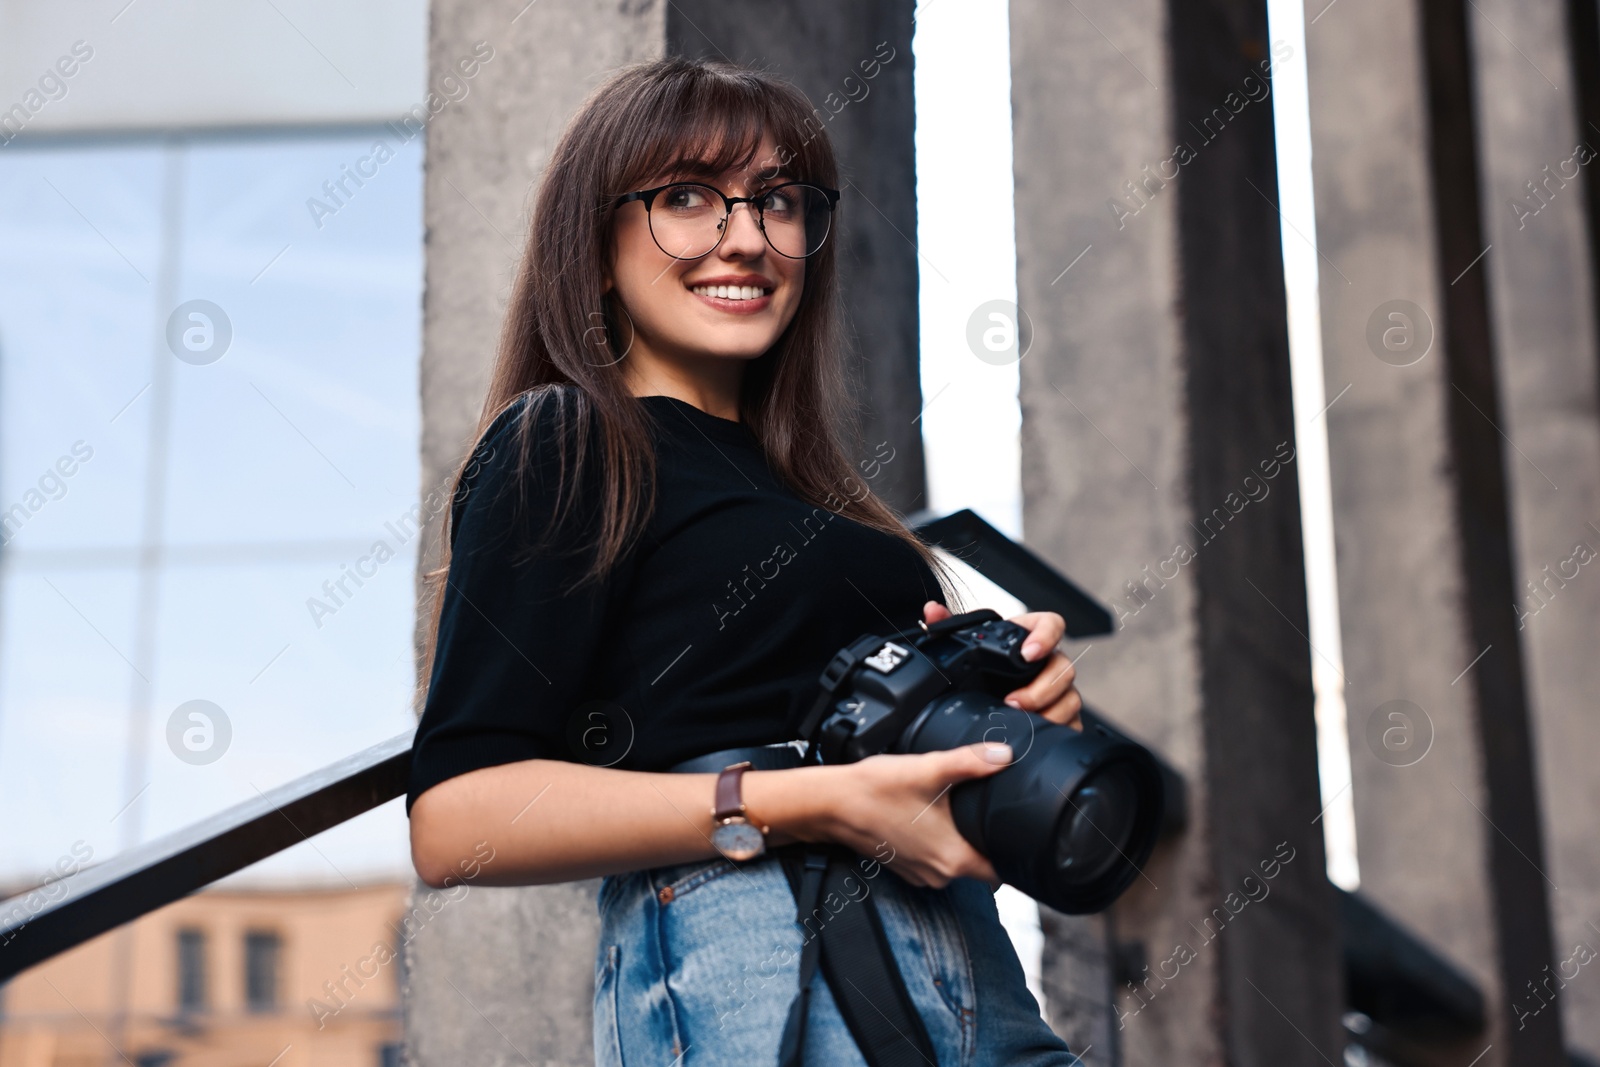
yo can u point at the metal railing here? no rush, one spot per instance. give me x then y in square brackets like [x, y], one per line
[62, 914]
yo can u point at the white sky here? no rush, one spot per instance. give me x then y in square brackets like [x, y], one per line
[967, 255]
[1292, 120]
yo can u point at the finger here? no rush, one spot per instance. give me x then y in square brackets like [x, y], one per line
[977, 760]
[933, 611]
[1052, 683]
[1067, 711]
[1045, 629]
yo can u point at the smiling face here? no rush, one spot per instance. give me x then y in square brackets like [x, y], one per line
[704, 317]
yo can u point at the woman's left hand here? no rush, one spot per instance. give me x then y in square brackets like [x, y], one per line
[1054, 693]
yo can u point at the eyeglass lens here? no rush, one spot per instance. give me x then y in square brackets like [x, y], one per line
[688, 220]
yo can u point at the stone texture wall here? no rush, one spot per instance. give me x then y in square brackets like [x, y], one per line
[1541, 292]
[1415, 757]
[1156, 385]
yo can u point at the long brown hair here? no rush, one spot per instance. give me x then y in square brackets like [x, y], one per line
[561, 344]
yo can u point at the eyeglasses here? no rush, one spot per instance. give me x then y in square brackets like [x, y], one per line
[688, 220]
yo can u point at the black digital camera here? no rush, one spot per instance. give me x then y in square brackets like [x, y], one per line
[1073, 818]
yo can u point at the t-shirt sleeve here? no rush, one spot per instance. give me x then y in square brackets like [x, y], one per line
[514, 646]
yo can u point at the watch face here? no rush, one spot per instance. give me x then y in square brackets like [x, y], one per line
[738, 840]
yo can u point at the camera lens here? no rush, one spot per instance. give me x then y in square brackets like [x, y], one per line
[1073, 818]
[1097, 826]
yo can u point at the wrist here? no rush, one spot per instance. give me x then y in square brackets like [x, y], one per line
[796, 804]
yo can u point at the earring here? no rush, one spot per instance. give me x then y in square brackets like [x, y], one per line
[605, 333]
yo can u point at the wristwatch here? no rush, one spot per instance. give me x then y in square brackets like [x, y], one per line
[735, 836]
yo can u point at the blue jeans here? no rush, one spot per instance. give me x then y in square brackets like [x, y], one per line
[698, 962]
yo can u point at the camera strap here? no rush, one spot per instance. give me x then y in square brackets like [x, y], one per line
[848, 944]
[853, 951]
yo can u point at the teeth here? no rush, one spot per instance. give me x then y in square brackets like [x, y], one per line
[730, 292]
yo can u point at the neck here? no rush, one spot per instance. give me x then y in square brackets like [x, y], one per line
[712, 384]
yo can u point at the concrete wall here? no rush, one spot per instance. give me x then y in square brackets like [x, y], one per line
[1440, 761]
[819, 46]
[188, 63]
[1075, 973]
[1540, 281]
[507, 976]
[1158, 383]
[1423, 849]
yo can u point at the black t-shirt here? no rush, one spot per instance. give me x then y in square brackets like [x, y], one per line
[709, 634]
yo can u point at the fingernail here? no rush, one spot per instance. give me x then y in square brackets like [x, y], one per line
[1013, 702]
[1030, 649]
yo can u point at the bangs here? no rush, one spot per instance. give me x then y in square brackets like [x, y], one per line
[712, 121]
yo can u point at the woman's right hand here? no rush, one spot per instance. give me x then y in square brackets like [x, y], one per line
[903, 801]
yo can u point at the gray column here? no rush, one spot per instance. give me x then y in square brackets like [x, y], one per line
[500, 976]
[506, 976]
[1157, 469]
[1440, 765]
[1076, 976]
[818, 45]
[1536, 159]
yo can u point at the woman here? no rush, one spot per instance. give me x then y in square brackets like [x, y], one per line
[652, 552]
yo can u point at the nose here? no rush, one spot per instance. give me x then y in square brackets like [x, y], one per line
[742, 237]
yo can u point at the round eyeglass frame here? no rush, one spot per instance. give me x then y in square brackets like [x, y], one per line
[648, 196]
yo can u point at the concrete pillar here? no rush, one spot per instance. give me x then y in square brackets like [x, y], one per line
[1075, 973]
[500, 976]
[1537, 158]
[1439, 754]
[819, 46]
[506, 976]
[1157, 469]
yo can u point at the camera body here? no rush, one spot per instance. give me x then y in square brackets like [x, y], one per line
[1069, 821]
[899, 679]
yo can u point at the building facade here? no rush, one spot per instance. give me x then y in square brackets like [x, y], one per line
[287, 977]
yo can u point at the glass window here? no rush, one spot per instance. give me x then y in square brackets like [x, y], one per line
[209, 424]
[262, 951]
[191, 970]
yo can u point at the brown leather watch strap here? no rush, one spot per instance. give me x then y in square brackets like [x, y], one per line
[729, 800]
